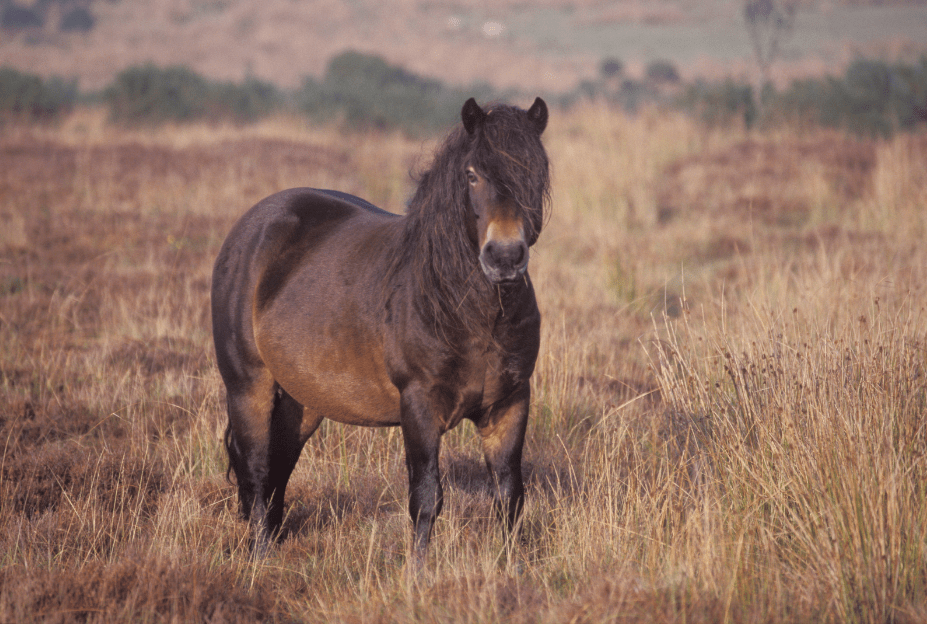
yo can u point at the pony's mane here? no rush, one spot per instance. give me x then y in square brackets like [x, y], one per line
[436, 250]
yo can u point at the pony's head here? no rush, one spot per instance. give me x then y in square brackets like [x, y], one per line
[508, 185]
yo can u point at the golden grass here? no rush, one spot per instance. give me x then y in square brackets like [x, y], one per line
[728, 405]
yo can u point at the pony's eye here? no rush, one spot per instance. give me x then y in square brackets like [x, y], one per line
[471, 178]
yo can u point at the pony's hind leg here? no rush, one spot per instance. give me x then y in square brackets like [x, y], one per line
[290, 427]
[247, 440]
[267, 431]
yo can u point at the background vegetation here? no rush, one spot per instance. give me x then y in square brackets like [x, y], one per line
[28, 97]
[872, 98]
[150, 95]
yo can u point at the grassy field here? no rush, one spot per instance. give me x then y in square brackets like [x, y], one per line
[728, 419]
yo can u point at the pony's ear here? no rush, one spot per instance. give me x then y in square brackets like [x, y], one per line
[472, 116]
[538, 114]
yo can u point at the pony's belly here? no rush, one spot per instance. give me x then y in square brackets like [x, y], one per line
[333, 370]
[348, 397]
[349, 400]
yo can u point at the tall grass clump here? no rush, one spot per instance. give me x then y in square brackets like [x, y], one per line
[809, 433]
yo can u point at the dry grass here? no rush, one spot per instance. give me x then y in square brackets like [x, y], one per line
[728, 409]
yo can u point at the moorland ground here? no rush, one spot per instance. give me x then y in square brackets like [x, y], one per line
[727, 417]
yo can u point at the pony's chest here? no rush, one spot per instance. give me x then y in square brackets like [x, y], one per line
[503, 374]
[485, 380]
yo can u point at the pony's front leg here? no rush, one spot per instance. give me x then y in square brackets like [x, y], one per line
[421, 435]
[502, 431]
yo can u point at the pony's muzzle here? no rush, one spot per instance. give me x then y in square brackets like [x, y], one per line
[505, 260]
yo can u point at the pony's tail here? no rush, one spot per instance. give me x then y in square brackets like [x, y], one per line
[231, 448]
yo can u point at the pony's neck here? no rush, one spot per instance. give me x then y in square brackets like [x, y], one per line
[444, 269]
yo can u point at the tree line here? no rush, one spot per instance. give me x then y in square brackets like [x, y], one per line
[871, 97]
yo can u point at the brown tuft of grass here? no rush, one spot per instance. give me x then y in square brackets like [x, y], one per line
[145, 587]
[727, 419]
[813, 176]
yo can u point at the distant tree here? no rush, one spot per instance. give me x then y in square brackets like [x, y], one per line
[611, 68]
[769, 23]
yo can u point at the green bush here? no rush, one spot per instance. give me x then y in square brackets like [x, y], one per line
[248, 101]
[369, 92]
[717, 104]
[363, 89]
[149, 94]
[632, 94]
[662, 71]
[873, 98]
[28, 96]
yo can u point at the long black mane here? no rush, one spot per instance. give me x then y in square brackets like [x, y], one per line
[437, 249]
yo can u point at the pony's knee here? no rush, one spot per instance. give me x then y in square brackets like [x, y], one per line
[426, 500]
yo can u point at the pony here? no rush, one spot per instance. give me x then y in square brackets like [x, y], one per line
[326, 306]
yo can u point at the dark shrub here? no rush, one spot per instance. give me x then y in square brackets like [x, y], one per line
[14, 17]
[589, 89]
[369, 92]
[248, 101]
[610, 68]
[872, 98]
[28, 96]
[722, 103]
[149, 94]
[77, 20]
[633, 94]
[662, 71]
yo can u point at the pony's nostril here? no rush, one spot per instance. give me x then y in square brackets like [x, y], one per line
[521, 251]
[489, 251]
[516, 254]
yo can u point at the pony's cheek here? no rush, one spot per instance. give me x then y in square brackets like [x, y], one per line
[475, 232]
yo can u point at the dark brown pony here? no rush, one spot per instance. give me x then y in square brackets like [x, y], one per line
[325, 306]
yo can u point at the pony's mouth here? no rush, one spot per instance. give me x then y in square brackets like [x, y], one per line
[504, 275]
